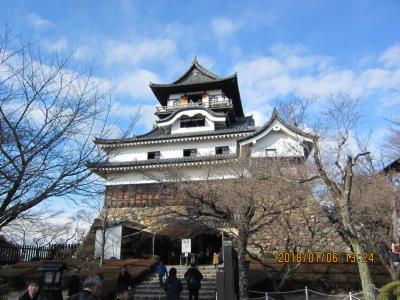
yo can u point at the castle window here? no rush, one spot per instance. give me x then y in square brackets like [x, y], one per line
[153, 155]
[222, 150]
[196, 121]
[270, 152]
[189, 152]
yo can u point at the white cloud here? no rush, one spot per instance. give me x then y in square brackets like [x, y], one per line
[82, 52]
[38, 22]
[145, 111]
[147, 117]
[224, 26]
[391, 57]
[56, 45]
[292, 70]
[135, 52]
[136, 84]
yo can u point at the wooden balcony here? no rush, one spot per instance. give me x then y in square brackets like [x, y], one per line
[212, 104]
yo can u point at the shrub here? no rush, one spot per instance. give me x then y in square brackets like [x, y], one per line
[392, 288]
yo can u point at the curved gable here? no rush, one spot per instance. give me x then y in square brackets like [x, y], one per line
[190, 112]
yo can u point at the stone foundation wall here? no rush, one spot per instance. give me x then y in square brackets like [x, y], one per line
[310, 230]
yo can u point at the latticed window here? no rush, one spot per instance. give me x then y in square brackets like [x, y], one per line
[189, 152]
[222, 150]
[196, 121]
[153, 155]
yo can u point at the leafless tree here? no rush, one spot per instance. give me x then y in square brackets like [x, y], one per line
[256, 196]
[97, 215]
[374, 205]
[300, 230]
[336, 157]
[50, 110]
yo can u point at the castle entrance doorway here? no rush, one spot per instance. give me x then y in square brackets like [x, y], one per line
[204, 242]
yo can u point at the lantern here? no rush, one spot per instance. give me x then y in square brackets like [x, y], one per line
[52, 274]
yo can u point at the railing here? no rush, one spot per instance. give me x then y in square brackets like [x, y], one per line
[225, 103]
[307, 293]
[13, 253]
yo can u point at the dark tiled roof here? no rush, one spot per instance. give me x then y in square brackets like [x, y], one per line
[394, 166]
[276, 116]
[197, 78]
[196, 74]
[192, 82]
[211, 112]
[137, 163]
[158, 134]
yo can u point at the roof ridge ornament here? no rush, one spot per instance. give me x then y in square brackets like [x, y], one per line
[275, 113]
[194, 61]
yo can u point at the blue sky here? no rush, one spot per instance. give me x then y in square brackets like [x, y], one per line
[278, 48]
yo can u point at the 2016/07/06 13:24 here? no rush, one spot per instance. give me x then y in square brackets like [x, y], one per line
[324, 257]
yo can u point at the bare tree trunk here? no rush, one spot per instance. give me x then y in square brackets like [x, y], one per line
[363, 269]
[393, 272]
[344, 204]
[103, 246]
[243, 282]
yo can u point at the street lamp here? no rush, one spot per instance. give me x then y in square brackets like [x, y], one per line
[52, 274]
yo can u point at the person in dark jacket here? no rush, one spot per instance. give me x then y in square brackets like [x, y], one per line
[74, 284]
[193, 277]
[32, 290]
[173, 286]
[162, 271]
[124, 278]
[91, 289]
[122, 293]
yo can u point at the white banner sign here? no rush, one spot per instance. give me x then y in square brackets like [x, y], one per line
[186, 246]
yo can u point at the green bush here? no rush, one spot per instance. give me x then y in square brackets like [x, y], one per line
[156, 257]
[392, 288]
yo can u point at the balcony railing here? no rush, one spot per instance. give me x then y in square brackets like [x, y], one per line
[212, 103]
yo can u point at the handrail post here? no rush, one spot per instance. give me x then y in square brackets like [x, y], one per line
[350, 297]
[306, 291]
[266, 295]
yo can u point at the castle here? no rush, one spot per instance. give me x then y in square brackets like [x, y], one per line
[201, 124]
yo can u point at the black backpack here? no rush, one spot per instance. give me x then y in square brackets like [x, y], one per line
[193, 282]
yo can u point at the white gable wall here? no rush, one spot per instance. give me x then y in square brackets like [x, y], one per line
[176, 126]
[285, 145]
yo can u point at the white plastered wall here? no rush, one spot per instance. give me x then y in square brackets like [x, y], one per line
[112, 246]
[192, 173]
[170, 150]
[285, 145]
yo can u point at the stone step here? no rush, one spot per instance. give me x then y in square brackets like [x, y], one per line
[163, 297]
[150, 289]
[185, 291]
[156, 287]
[184, 295]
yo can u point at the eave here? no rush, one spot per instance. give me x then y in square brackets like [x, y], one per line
[112, 167]
[173, 138]
[228, 84]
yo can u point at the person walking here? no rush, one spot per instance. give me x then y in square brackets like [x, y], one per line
[91, 289]
[122, 293]
[74, 284]
[193, 277]
[124, 278]
[173, 286]
[162, 271]
[32, 290]
[215, 260]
